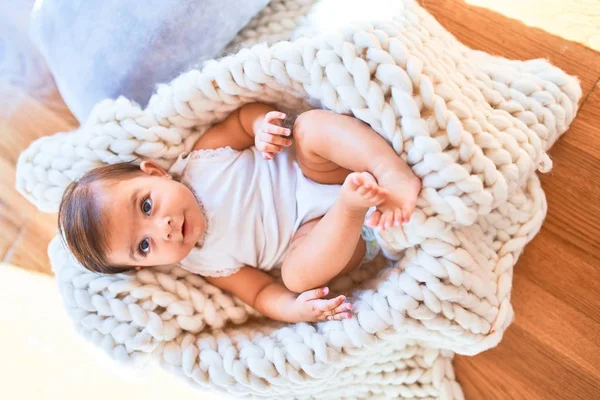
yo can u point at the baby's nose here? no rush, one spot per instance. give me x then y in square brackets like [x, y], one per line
[166, 227]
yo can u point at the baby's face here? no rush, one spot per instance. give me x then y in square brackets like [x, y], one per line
[152, 219]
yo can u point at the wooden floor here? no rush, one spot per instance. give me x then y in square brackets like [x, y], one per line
[552, 350]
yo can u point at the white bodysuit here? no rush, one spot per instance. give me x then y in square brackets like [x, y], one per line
[253, 207]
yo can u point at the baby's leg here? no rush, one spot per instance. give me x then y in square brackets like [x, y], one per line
[330, 146]
[325, 248]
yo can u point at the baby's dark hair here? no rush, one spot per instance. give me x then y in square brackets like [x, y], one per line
[81, 222]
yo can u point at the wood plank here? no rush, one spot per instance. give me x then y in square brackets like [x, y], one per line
[30, 250]
[478, 376]
[28, 121]
[564, 271]
[27, 232]
[572, 187]
[10, 199]
[482, 29]
[523, 368]
[10, 226]
[573, 197]
[559, 327]
[585, 131]
[551, 350]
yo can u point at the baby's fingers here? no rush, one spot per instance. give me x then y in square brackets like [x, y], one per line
[314, 294]
[329, 305]
[274, 116]
[270, 148]
[276, 140]
[342, 311]
[339, 309]
[338, 317]
[276, 130]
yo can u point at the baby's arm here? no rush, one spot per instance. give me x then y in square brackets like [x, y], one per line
[273, 300]
[240, 128]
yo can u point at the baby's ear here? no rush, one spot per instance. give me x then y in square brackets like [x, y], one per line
[152, 168]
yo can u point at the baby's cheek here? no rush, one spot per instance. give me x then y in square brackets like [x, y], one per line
[183, 251]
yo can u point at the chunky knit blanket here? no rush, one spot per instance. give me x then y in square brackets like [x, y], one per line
[474, 127]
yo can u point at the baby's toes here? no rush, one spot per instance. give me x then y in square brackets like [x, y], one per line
[374, 219]
[380, 196]
[398, 217]
[386, 220]
[407, 212]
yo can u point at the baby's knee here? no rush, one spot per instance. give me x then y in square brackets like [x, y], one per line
[302, 129]
[308, 124]
[292, 280]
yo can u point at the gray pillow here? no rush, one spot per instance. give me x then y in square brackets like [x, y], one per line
[99, 49]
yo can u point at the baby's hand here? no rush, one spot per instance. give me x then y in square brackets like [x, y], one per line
[268, 138]
[311, 308]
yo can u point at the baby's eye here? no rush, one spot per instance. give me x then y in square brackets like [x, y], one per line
[144, 246]
[147, 206]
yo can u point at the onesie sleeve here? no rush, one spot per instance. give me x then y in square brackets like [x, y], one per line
[209, 263]
[204, 270]
[202, 157]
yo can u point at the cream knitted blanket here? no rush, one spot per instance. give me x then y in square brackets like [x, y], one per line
[474, 127]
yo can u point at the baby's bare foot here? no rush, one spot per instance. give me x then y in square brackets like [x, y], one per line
[403, 188]
[361, 191]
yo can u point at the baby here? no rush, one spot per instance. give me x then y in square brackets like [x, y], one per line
[244, 202]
